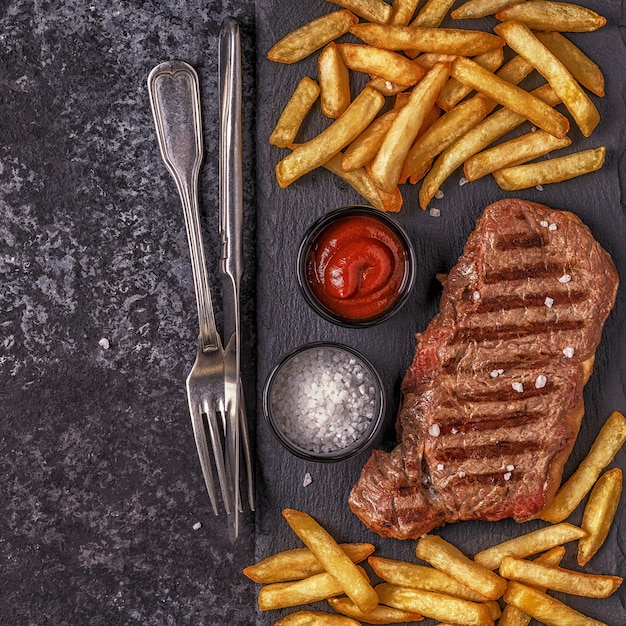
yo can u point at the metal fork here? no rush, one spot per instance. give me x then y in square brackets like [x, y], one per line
[175, 99]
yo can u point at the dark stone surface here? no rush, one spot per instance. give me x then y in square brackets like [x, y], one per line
[100, 484]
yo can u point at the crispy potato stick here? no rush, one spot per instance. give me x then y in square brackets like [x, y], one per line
[529, 544]
[299, 563]
[380, 615]
[608, 442]
[550, 171]
[386, 87]
[382, 63]
[376, 11]
[599, 513]
[475, 140]
[436, 605]
[336, 562]
[387, 165]
[361, 182]
[454, 91]
[449, 559]
[296, 109]
[364, 148]
[510, 96]
[544, 608]
[311, 589]
[305, 40]
[340, 133]
[512, 616]
[402, 11]
[514, 152]
[446, 40]
[580, 66]
[560, 16]
[519, 37]
[443, 133]
[428, 60]
[315, 618]
[404, 574]
[558, 578]
[480, 8]
[494, 609]
[334, 81]
[432, 13]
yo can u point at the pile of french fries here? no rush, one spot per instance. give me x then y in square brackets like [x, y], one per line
[437, 98]
[453, 588]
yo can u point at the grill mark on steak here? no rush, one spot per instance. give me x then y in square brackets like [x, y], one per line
[493, 317]
[537, 270]
[487, 452]
[484, 333]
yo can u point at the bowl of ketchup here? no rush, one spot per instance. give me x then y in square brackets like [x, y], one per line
[356, 266]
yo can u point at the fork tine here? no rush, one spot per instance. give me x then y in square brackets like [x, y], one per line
[247, 455]
[203, 453]
[218, 454]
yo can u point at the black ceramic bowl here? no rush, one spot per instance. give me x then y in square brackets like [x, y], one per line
[349, 247]
[324, 402]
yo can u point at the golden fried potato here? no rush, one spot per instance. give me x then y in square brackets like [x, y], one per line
[334, 81]
[480, 8]
[294, 593]
[294, 113]
[315, 152]
[305, 40]
[599, 513]
[519, 37]
[550, 171]
[336, 562]
[449, 559]
[549, 15]
[377, 11]
[380, 615]
[315, 618]
[530, 543]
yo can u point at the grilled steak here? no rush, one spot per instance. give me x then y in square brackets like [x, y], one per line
[492, 402]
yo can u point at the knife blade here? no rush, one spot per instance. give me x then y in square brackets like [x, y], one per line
[231, 232]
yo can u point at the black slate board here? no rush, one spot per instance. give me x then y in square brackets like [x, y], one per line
[284, 321]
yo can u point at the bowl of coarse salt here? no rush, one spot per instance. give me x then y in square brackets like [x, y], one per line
[324, 402]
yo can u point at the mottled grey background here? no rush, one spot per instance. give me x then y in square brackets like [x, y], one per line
[99, 482]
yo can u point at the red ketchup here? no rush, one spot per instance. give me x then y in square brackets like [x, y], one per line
[356, 268]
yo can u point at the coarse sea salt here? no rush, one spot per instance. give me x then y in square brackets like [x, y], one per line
[568, 352]
[518, 387]
[541, 381]
[549, 302]
[323, 399]
[434, 430]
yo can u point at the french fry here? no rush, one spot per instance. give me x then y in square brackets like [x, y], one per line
[361, 182]
[334, 81]
[548, 15]
[387, 165]
[428, 60]
[315, 618]
[512, 616]
[446, 40]
[336, 562]
[449, 559]
[606, 445]
[513, 152]
[380, 615]
[436, 605]
[445, 131]
[303, 41]
[382, 63]
[315, 152]
[377, 11]
[454, 91]
[296, 109]
[510, 96]
[475, 140]
[294, 593]
[402, 11]
[530, 543]
[480, 8]
[580, 66]
[550, 171]
[430, 15]
[599, 513]
[545, 608]
[404, 574]
[558, 578]
[519, 37]
[386, 87]
[299, 563]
